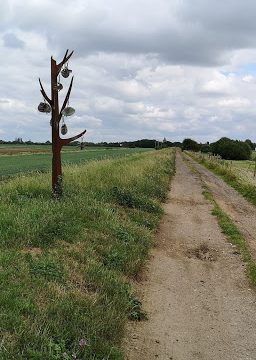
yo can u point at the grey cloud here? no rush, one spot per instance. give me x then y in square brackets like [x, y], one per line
[12, 41]
[189, 32]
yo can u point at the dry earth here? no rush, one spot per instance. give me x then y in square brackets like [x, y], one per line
[22, 151]
[241, 213]
[194, 288]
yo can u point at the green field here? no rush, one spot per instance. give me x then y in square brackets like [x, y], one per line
[26, 159]
[67, 266]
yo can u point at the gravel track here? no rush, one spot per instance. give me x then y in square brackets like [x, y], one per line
[194, 288]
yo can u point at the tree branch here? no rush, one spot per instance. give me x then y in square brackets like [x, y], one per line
[44, 93]
[67, 141]
[66, 98]
[65, 59]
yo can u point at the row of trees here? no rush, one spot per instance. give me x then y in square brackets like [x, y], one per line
[143, 143]
[225, 147]
[20, 141]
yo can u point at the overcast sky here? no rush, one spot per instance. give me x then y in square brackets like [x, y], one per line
[143, 69]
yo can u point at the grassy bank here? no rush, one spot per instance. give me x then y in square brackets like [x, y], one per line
[65, 266]
[229, 175]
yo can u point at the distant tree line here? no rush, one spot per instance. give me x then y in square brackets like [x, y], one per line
[225, 147]
[143, 143]
[19, 140]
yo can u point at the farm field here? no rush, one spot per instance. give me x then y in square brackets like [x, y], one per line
[245, 170]
[12, 149]
[25, 159]
[66, 266]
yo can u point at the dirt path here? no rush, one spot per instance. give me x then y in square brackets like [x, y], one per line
[197, 297]
[240, 211]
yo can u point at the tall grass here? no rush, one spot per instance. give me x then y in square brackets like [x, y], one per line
[65, 266]
[230, 176]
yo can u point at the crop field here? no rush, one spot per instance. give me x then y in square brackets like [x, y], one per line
[21, 159]
[245, 170]
[14, 149]
[66, 266]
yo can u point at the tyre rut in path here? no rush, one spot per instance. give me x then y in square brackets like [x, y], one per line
[239, 210]
[194, 289]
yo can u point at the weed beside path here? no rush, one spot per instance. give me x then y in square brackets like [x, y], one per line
[65, 265]
[234, 236]
[230, 176]
[236, 216]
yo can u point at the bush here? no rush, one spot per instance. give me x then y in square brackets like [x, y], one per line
[189, 144]
[205, 148]
[250, 143]
[232, 149]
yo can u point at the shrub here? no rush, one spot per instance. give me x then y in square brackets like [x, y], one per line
[189, 144]
[232, 149]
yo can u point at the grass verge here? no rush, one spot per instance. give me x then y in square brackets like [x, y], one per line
[230, 177]
[65, 266]
[234, 236]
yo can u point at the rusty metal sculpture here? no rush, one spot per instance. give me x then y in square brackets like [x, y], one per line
[57, 142]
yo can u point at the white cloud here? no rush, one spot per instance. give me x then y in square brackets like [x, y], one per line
[219, 85]
[234, 103]
[12, 105]
[249, 79]
[142, 69]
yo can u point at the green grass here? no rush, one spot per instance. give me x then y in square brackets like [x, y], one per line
[66, 266]
[234, 236]
[230, 176]
[11, 165]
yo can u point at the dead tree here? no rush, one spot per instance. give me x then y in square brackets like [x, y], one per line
[56, 116]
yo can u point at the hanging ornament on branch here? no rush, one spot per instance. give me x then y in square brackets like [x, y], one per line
[59, 86]
[68, 111]
[66, 71]
[64, 128]
[44, 107]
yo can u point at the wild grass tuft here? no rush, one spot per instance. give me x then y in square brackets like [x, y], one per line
[66, 265]
[234, 236]
[230, 177]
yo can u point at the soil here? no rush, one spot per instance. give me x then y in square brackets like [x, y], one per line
[23, 151]
[241, 213]
[194, 288]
